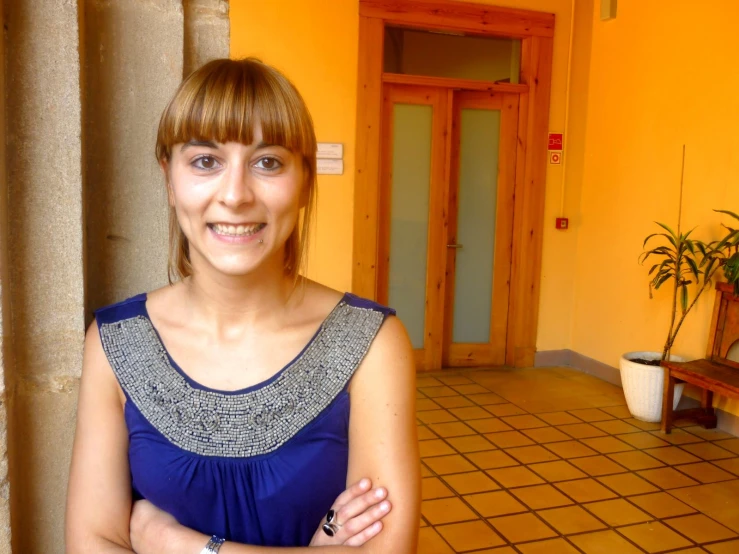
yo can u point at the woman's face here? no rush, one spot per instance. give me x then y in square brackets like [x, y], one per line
[236, 204]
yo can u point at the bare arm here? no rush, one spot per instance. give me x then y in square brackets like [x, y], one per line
[382, 445]
[99, 495]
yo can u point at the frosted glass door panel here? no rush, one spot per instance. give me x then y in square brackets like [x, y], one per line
[478, 190]
[409, 215]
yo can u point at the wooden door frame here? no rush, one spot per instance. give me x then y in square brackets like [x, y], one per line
[536, 31]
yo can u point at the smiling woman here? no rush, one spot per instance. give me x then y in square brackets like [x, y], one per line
[243, 406]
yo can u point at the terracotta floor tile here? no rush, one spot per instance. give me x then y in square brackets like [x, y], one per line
[456, 380]
[708, 434]
[486, 399]
[604, 542]
[471, 535]
[607, 445]
[662, 505]
[455, 429]
[729, 547]
[732, 465]
[490, 425]
[423, 523]
[717, 500]
[424, 433]
[581, 430]
[545, 435]
[558, 418]
[598, 465]
[524, 421]
[426, 404]
[426, 472]
[471, 443]
[446, 510]
[500, 410]
[436, 392]
[531, 454]
[672, 455]
[618, 411]
[518, 476]
[550, 546]
[618, 512]
[453, 402]
[635, 460]
[557, 471]
[706, 472]
[539, 497]
[470, 412]
[443, 465]
[433, 487]
[645, 425]
[731, 445]
[570, 449]
[627, 484]
[436, 416]
[585, 490]
[699, 528]
[430, 542]
[473, 388]
[468, 483]
[677, 436]
[616, 427]
[643, 440]
[491, 459]
[420, 395]
[591, 414]
[435, 447]
[507, 439]
[654, 536]
[694, 550]
[708, 451]
[571, 519]
[496, 503]
[522, 527]
[422, 382]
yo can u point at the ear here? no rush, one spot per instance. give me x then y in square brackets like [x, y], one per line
[164, 165]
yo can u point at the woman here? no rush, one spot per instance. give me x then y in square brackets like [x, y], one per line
[229, 410]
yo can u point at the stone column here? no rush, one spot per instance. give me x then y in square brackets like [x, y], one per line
[206, 32]
[45, 258]
[133, 63]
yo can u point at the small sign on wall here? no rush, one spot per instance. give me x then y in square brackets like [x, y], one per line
[330, 150]
[330, 167]
[555, 158]
[555, 142]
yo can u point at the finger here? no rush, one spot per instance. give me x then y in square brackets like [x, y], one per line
[360, 504]
[360, 538]
[366, 519]
[357, 489]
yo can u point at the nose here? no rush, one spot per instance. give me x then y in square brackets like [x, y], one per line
[237, 187]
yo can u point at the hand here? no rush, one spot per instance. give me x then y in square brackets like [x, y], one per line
[358, 512]
[148, 528]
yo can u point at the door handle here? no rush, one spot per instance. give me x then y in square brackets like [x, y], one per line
[454, 246]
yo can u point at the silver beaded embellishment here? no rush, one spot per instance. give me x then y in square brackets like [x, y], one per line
[256, 422]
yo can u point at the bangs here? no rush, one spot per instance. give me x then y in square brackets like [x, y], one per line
[225, 101]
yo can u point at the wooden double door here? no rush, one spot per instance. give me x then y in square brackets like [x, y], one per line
[448, 166]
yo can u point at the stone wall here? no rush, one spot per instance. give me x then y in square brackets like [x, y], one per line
[82, 213]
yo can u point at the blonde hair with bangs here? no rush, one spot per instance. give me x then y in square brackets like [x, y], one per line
[223, 101]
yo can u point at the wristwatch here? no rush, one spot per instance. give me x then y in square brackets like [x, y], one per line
[213, 546]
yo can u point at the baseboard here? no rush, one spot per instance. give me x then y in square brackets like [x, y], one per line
[575, 360]
[727, 422]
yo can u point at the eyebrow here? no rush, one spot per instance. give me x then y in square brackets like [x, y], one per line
[193, 142]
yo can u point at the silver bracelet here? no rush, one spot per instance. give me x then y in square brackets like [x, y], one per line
[213, 546]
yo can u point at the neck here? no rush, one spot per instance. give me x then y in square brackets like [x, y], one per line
[230, 305]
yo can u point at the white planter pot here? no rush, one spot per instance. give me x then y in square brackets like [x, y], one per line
[643, 385]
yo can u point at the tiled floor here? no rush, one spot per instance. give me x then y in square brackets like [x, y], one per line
[550, 461]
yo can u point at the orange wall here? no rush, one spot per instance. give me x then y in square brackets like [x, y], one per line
[315, 43]
[659, 78]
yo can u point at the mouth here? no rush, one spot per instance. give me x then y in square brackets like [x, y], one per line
[246, 230]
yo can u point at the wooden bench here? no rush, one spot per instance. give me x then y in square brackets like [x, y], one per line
[714, 374]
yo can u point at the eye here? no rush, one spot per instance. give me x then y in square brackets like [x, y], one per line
[268, 163]
[205, 162]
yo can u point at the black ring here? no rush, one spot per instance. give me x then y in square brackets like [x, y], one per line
[330, 529]
[330, 516]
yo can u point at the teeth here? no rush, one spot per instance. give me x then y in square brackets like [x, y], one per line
[236, 231]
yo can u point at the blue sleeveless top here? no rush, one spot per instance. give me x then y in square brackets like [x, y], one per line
[258, 466]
